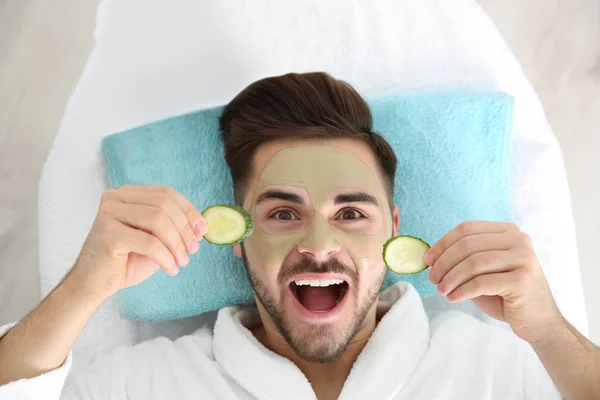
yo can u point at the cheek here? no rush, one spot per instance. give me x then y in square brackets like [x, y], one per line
[270, 250]
[372, 274]
[370, 279]
[366, 254]
[267, 253]
[365, 251]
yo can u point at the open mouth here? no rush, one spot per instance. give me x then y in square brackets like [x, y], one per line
[319, 295]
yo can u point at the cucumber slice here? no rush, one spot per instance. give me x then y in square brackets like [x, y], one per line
[405, 254]
[227, 225]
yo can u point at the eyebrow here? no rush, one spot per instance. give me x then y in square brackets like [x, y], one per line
[358, 197]
[279, 195]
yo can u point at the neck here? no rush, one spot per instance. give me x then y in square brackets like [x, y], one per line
[326, 379]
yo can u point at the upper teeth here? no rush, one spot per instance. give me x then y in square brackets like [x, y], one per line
[318, 282]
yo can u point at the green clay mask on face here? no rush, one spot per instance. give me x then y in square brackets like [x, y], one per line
[332, 200]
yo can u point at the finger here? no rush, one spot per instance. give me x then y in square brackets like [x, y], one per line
[167, 203]
[477, 264]
[139, 242]
[155, 221]
[194, 217]
[465, 247]
[496, 284]
[466, 229]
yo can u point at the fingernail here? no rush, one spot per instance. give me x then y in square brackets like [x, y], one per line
[440, 288]
[429, 258]
[172, 270]
[184, 259]
[200, 228]
[194, 247]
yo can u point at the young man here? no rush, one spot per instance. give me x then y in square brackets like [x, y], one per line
[319, 184]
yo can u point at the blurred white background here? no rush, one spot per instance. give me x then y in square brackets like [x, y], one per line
[44, 46]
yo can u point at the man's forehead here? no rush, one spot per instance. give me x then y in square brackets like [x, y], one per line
[320, 169]
[293, 162]
[316, 165]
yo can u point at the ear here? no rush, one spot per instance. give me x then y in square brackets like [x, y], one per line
[237, 250]
[396, 219]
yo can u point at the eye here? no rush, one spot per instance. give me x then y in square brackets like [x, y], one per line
[284, 215]
[351, 214]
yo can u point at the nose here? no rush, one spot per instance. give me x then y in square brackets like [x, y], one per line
[318, 242]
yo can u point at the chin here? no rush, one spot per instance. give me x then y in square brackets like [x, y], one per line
[319, 344]
[320, 337]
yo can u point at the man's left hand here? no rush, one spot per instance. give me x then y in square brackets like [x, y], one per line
[494, 264]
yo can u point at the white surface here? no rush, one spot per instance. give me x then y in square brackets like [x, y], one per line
[138, 75]
[233, 365]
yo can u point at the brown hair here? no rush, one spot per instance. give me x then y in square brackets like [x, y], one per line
[297, 106]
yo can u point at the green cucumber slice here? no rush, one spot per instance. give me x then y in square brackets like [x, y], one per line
[405, 254]
[227, 225]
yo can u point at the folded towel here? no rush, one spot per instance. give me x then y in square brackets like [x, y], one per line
[453, 150]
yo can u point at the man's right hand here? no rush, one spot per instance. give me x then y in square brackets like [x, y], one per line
[138, 229]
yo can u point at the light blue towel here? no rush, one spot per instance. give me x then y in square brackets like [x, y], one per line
[453, 150]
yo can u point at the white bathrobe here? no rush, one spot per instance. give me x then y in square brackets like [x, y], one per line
[450, 356]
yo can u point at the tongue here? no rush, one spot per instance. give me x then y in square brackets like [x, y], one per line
[317, 298]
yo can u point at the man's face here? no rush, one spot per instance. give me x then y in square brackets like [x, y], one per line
[321, 218]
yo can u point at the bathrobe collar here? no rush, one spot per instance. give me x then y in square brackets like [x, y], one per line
[383, 368]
